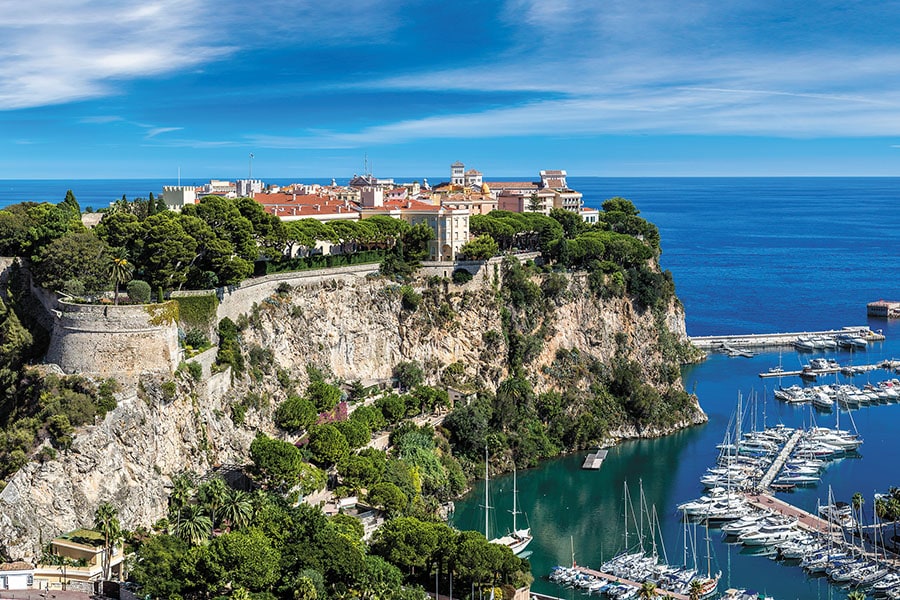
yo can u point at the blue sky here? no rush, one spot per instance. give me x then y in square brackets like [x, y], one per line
[116, 88]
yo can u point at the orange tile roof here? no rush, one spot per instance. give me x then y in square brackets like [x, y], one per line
[494, 185]
[16, 566]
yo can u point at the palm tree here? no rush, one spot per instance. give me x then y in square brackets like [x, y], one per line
[181, 494]
[212, 496]
[195, 526]
[106, 521]
[237, 509]
[696, 589]
[119, 270]
[856, 595]
[648, 591]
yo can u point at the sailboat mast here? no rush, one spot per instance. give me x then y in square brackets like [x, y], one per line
[515, 493]
[626, 516]
[487, 507]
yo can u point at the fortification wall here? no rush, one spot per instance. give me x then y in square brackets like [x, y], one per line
[113, 341]
[239, 299]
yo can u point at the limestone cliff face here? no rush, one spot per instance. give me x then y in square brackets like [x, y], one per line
[128, 460]
[358, 328]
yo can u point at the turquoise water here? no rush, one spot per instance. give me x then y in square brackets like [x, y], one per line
[748, 255]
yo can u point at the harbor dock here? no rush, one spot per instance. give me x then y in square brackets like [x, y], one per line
[595, 459]
[766, 340]
[779, 461]
[634, 584]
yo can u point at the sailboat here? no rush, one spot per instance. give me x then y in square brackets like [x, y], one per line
[518, 539]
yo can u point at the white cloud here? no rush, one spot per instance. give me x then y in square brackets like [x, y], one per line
[57, 51]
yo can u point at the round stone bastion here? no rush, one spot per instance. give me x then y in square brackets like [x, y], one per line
[121, 341]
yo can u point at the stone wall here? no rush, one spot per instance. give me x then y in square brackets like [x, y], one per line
[113, 341]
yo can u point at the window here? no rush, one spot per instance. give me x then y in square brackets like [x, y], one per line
[30, 580]
[5, 582]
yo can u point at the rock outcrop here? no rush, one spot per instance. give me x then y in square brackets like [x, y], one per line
[360, 330]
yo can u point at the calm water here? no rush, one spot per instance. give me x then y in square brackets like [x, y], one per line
[748, 255]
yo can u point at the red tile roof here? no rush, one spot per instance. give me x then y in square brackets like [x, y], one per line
[499, 185]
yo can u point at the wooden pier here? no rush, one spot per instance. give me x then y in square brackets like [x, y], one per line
[779, 461]
[805, 520]
[628, 582]
[765, 340]
[595, 459]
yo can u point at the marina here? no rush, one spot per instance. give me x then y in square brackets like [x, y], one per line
[715, 343]
[709, 262]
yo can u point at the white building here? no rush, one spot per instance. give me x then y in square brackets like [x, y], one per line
[16, 576]
[245, 188]
[177, 197]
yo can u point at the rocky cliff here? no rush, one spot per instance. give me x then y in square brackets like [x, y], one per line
[360, 330]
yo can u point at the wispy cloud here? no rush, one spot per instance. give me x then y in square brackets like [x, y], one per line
[57, 51]
[155, 131]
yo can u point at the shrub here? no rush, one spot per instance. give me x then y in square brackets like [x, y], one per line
[139, 291]
[195, 369]
[195, 338]
[409, 298]
[461, 276]
[283, 289]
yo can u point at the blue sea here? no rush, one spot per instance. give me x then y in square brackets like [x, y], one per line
[748, 255]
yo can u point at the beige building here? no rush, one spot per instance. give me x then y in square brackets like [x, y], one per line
[78, 562]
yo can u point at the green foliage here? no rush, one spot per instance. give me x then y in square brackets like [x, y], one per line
[295, 413]
[482, 247]
[78, 255]
[138, 291]
[461, 276]
[355, 431]
[324, 396]
[197, 312]
[195, 369]
[392, 407]
[409, 298]
[389, 497]
[327, 445]
[195, 338]
[277, 464]
[408, 374]
[229, 346]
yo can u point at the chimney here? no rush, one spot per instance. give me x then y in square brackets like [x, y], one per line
[294, 197]
[317, 207]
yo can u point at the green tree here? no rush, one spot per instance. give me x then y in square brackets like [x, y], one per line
[408, 374]
[295, 413]
[182, 487]
[482, 247]
[245, 559]
[327, 445]
[648, 591]
[856, 595]
[323, 395]
[164, 567]
[106, 521]
[356, 432]
[389, 497]
[74, 256]
[277, 463]
[138, 291]
[406, 542]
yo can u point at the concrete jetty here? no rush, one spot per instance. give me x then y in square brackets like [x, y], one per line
[779, 461]
[763, 340]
